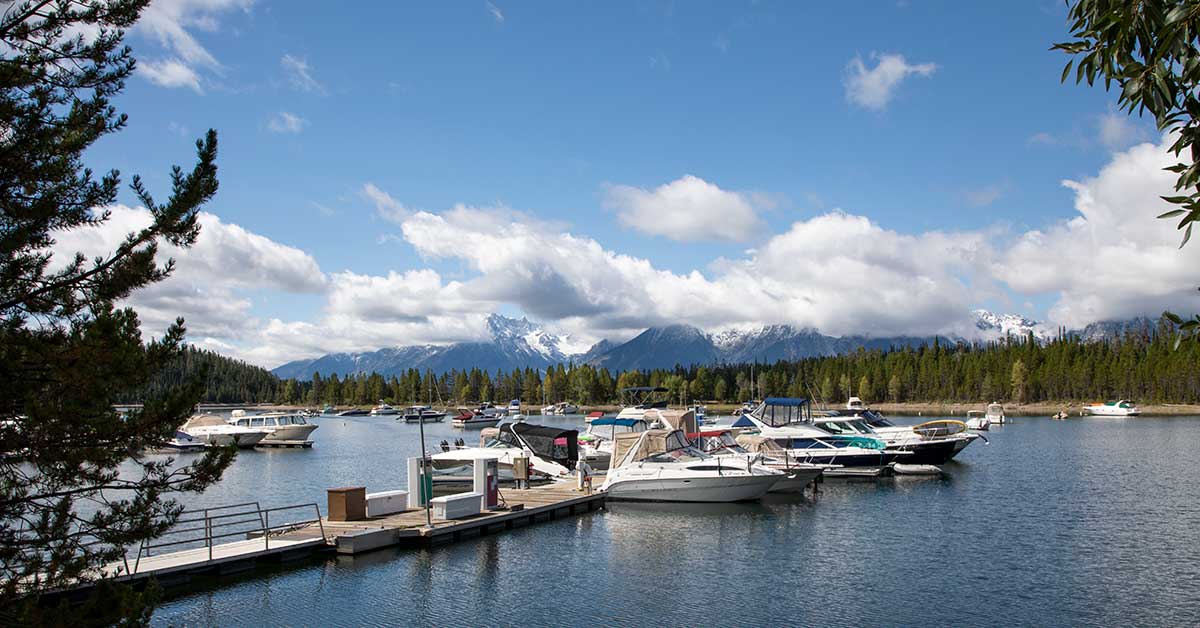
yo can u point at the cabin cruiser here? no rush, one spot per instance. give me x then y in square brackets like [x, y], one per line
[469, 418]
[995, 414]
[1123, 407]
[561, 408]
[789, 422]
[596, 444]
[933, 442]
[514, 409]
[383, 409]
[284, 428]
[214, 430]
[552, 452]
[422, 414]
[660, 465]
[761, 450]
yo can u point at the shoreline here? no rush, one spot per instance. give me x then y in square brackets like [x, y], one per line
[914, 408]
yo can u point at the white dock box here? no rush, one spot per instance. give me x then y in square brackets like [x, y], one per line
[386, 503]
[456, 506]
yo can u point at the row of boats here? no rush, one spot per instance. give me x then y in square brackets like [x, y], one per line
[484, 415]
[280, 429]
[650, 452]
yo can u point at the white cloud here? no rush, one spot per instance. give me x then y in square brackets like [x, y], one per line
[284, 122]
[688, 208]
[983, 196]
[299, 74]
[211, 278]
[497, 14]
[386, 207]
[168, 22]
[1114, 260]
[170, 73]
[873, 88]
[1118, 131]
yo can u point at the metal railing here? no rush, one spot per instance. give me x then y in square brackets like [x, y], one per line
[207, 525]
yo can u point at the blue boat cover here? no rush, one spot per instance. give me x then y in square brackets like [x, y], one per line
[743, 421]
[616, 421]
[785, 401]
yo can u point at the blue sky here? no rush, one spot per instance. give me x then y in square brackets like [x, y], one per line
[877, 142]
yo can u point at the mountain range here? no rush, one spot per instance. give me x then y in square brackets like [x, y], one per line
[520, 343]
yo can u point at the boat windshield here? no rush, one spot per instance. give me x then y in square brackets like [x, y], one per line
[844, 428]
[878, 421]
[683, 454]
[777, 412]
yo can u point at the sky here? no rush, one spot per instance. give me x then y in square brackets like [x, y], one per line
[392, 174]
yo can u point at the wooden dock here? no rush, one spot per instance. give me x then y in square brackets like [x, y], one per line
[520, 507]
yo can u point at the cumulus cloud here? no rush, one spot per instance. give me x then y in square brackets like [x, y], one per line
[1118, 131]
[284, 122]
[211, 278]
[170, 23]
[873, 88]
[1114, 260]
[299, 74]
[688, 208]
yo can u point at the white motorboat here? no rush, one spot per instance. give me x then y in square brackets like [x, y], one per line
[764, 451]
[468, 418]
[423, 414]
[1124, 407]
[514, 410]
[977, 420]
[660, 465]
[214, 430]
[284, 428]
[561, 408]
[932, 442]
[383, 409]
[596, 444]
[180, 443]
[789, 422]
[995, 414]
[552, 452]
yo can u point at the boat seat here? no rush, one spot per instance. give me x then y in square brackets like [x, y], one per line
[457, 506]
[386, 503]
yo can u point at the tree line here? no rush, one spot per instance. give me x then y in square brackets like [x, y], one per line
[1143, 364]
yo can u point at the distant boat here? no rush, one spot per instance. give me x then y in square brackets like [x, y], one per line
[383, 409]
[1124, 407]
[423, 414]
[468, 418]
[995, 414]
[353, 412]
[561, 408]
[977, 420]
[181, 443]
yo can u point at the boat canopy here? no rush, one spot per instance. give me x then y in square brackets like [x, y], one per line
[780, 411]
[759, 444]
[551, 443]
[633, 446]
[615, 421]
[644, 396]
[674, 419]
[743, 421]
[204, 420]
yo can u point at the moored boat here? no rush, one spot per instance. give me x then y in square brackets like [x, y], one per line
[551, 452]
[383, 409]
[995, 414]
[468, 418]
[214, 430]
[423, 414]
[1123, 407]
[284, 428]
[789, 422]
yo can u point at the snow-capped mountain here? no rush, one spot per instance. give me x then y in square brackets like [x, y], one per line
[520, 343]
[996, 326]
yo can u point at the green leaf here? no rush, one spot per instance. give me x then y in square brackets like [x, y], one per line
[1173, 317]
[1187, 235]
[1066, 71]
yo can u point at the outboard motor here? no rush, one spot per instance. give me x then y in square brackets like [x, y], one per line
[444, 445]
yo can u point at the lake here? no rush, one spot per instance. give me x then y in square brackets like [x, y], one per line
[1081, 522]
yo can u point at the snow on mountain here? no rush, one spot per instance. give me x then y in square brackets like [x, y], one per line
[996, 326]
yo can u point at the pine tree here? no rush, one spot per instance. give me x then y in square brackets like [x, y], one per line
[68, 348]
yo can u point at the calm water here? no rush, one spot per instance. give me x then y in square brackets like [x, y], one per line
[1080, 522]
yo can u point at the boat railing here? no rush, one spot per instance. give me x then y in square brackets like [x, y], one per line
[204, 527]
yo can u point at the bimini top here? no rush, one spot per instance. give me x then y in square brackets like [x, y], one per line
[615, 421]
[644, 396]
[551, 443]
[785, 401]
[644, 389]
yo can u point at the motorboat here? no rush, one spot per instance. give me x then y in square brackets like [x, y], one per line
[552, 452]
[933, 442]
[995, 414]
[214, 430]
[660, 465]
[284, 428]
[383, 409]
[468, 418]
[596, 444]
[514, 409]
[182, 442]
[764, 451]
[636, 400]
[354, 412]
[592, 416]
[1124, 407]
[789, 422]
[977, 420]
[423, 414]
[747, 407]
[561, 408]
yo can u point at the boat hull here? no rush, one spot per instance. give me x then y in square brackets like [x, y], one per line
[843, 458]
[474, 423]
[708, 489]
[243, 441]
[427, 418]
[289, 434]
[930, 452]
